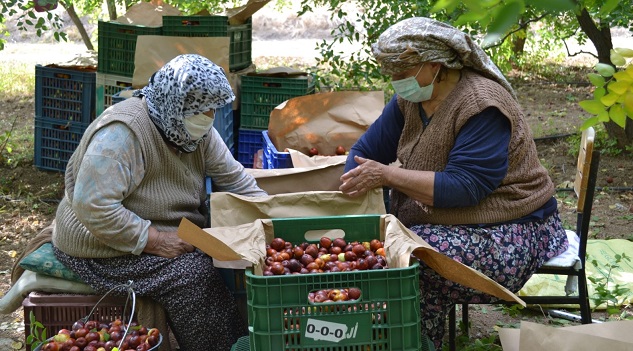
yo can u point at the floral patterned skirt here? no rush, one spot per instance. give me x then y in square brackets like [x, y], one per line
[508, 254]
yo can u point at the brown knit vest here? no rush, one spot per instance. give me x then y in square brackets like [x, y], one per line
[526, 186]
[173, 187]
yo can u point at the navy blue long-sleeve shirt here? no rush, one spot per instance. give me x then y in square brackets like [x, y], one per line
[477, 163]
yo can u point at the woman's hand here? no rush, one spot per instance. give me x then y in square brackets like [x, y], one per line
[366, 176]
[166, 244]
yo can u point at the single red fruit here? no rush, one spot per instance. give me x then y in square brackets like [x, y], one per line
[313, 151]
[609, 179]
[340, 150]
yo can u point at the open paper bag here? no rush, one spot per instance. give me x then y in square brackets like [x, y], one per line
[317, 173]
[324, 120]
[248, 242]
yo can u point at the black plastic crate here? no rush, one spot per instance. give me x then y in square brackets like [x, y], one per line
[55, 142]
[66, 94]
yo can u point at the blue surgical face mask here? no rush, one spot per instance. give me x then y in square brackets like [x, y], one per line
[410, 90]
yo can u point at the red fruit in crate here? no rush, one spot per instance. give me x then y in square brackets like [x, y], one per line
[81, 333]
[335, 250]
[313, 151]
[76, 348]
[91, 336]
[353, 293]
[298, 252]
[152, 340]
[306, 260]
[51, 346]
[350, 256]
[312, 250]
[325, 242]
[340, 150]
[81, 342]
[90, 348]
[109, 345]
[340, 242]
[277, 268]
[375, 244]
[278, 244]
[359, 250]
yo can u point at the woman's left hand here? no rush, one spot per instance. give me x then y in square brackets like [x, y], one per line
[366, 176]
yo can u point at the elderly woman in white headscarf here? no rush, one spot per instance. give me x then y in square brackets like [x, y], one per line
[470, 182]
[138, 170]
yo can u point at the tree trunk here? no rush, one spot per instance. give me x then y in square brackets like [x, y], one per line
[112, 9]
[600, 36]
[70, 9]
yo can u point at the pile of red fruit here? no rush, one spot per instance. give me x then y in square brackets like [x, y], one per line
[334, 295]
[283, 257]
[94, 336]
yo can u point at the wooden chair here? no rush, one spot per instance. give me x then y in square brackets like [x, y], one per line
[584, 186]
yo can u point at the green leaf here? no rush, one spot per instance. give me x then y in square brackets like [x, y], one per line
[604, 69]
[608, 7]
[609, 99]
[599, 92]
[553, 6]
[592, 106]
[624, 52]
[596, 79]
[448, 5]
[31, 14]
[469, 17]
[502, 20]
[627, 105]
[590, 122]
[603, 116]
[623, 76]
[617, 115]
[617, 59]
[618, 87]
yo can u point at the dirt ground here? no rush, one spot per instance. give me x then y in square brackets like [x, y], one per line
[28, 196]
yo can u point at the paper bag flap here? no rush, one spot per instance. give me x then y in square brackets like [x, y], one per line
[612, 336]
[243, 242]
[401, 246]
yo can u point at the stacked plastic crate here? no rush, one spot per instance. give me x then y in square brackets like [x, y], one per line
[260, 96]
[117, 46]
[64, 107]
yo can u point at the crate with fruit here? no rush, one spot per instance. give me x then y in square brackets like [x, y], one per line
[88, 334]
[298, 289]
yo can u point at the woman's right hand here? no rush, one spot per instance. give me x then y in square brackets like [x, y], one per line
[166, 244]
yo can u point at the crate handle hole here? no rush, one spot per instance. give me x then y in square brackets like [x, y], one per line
[316, 235]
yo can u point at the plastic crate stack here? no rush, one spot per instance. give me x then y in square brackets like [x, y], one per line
[117, 45]
[64, 107]
[260, 96]
[240, 36]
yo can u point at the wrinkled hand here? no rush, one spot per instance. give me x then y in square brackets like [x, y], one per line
[366, 176]
[166, 244]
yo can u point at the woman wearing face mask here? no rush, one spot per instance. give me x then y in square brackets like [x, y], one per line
[138, 170]
[470, 181]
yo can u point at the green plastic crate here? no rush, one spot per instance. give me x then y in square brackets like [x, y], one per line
[106, 87]
[386, 317]
[117, 45]
[260, 96]
[240, 36]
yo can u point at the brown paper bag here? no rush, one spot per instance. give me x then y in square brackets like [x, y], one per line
[317, 173]
[248, 242]
[229, 209]
[612, 336]
[154, 51]
[324, 120]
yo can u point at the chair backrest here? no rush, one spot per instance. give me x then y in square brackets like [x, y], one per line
[583, 166]
[584, 186]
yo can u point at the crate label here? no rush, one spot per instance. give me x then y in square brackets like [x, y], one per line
[331, 329]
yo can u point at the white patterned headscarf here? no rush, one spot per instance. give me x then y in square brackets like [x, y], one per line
[185, 86]
[413, 41]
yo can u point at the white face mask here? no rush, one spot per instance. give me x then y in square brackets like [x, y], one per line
[410, 90]
[198, 125]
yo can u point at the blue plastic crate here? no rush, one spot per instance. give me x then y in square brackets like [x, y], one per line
[223, 123]
[65, 94]
[273, 158]
[248, 142]
[55, 142]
